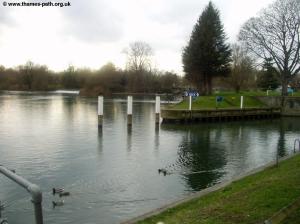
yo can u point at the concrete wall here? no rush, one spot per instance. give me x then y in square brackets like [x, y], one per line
[291, 104]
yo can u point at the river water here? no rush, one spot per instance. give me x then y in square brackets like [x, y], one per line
[52, 139]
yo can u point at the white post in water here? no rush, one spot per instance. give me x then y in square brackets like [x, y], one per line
[242, 102]
[129, 110]
[190, 103]
[100, 111]
[157, 109]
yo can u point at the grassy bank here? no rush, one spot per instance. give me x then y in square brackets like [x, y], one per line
[253, 93]
[229, 101]
[249, 200]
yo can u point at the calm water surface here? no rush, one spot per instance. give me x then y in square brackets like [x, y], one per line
[53, 141]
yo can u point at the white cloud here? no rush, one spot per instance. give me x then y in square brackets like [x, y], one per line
[92, 32]
[235, 13]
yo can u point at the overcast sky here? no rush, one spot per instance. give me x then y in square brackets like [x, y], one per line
[91, 33]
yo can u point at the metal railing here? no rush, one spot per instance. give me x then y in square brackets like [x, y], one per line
[33, 189]
[2, 221]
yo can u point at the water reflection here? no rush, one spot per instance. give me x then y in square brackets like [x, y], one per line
[100, 139]
[228, 149]
[129, 138]
[281, 150]
[198, 158]
[54, 140]
[156, 137]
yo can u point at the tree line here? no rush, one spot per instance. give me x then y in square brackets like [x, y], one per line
[106, 80]
[267, 54]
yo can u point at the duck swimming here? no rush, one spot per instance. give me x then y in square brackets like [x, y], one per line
[163, 171]
[63, 194]
[57, 190]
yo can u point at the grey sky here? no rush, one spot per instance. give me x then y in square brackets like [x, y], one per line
[93, 32]
[94, 21]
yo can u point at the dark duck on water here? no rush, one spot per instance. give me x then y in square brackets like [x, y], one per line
[57, 190]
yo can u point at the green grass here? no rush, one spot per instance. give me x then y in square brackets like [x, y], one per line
[247, 201]
[209, 102]
[231, 100]
[253, 93]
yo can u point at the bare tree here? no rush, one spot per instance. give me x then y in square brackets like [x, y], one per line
[139, 56]
[275, 34]
[138, 65]
[242, 69]
[27, 74]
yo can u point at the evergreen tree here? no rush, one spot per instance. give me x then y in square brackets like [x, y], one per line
[269, 78]
[206, 55]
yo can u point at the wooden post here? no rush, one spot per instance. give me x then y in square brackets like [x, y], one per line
[190, 103]
[100, 111]
[242, 102]
[129, 110]
[157, 109]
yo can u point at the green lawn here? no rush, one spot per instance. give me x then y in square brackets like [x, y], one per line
[229, 101]
[247, 201]
[253, 93]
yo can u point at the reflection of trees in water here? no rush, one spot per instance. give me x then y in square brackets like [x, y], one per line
[227, 145]
[143, 112]
[197, 153]
[281, 150]
[69, 106]
[286, 126]
[114, 111]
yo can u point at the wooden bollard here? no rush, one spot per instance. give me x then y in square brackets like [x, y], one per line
[190, 103]
[129, 110]
[100, 111]
[157, 109]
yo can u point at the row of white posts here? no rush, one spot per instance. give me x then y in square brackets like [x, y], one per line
[129, 110]
[191, 101]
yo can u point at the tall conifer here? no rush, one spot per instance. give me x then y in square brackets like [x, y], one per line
[206, 55]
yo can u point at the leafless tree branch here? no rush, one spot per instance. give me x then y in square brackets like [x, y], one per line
[275, 34]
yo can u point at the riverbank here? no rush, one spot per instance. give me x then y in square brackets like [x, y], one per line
[231, 107]
[207, 109]
[227, 102]
[252, 199]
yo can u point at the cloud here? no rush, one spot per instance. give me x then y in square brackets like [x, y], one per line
[92, 32]
[6, 19]
[177, 13]
[92, 21]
